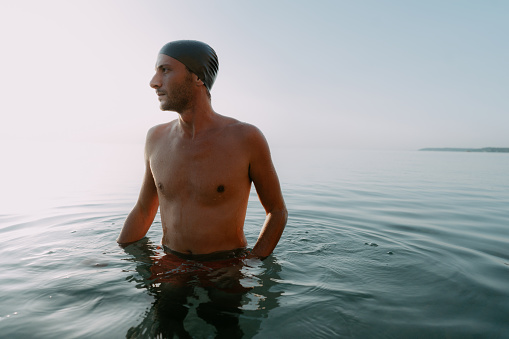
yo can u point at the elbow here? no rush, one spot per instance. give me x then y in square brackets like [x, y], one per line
[280, 214]
[285, 214]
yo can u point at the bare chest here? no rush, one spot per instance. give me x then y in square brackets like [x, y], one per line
[206, 172]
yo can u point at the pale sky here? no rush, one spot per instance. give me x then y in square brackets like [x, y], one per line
[396, 75]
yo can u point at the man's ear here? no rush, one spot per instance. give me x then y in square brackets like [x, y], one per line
[197, 80]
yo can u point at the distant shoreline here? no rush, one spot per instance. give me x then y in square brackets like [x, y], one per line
[485, 149]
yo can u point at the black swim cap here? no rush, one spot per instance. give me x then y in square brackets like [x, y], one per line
[199, 57]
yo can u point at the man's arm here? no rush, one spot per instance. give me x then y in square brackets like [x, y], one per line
[264, 177]
[141, 217]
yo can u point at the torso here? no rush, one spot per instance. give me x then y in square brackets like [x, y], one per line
[203, 186]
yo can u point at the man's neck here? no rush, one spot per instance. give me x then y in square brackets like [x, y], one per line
[197, 119]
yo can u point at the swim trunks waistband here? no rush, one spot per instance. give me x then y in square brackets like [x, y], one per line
[220, 255]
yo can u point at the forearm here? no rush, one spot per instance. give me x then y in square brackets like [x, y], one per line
[270, 234]
[137, 224]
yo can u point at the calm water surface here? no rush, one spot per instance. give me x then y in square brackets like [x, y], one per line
[378, 245]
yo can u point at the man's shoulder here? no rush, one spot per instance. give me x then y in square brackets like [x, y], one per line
[243, 129]
[247, 137]
[156, 135]
[160, 130]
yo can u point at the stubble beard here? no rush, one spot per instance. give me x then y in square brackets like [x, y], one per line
[180, 97]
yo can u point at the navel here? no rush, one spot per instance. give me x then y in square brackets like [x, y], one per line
[220, 188]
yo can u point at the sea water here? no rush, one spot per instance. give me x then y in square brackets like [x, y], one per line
[379, 244]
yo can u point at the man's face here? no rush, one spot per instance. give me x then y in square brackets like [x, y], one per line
[173, 84]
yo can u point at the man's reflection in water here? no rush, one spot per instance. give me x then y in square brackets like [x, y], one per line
[218, 292]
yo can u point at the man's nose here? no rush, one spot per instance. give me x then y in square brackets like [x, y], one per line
[155, 82]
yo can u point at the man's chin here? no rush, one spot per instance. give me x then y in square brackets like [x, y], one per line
[163, 107]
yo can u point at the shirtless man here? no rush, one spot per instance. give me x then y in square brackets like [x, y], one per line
[199, 167]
